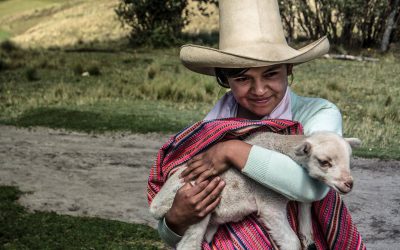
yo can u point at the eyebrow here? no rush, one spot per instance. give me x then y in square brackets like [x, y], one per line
[272, 68]
[275, 67]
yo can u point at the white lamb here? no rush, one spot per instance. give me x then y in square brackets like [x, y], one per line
[326, 157]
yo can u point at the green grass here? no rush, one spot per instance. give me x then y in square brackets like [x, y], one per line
[10, 7]
[37, 10]
[136, 116]
[4, 35]
[366, 93]
[146, 90]
[43, 230]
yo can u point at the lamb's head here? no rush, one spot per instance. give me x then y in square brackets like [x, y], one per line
[326, 156]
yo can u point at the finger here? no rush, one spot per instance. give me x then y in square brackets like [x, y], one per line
[211, 207]
[195, 158]
[212, 200]
[197, 189]
[216, 192]
[190, 168]
[195, 173]
[207, 190]
[205, 175]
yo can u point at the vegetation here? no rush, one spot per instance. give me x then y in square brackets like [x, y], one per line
[357, 23]
[354, 24]
[147, 90]
[156, 22]
[44, 230]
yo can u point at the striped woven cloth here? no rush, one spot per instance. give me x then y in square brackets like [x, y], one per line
[332, 224]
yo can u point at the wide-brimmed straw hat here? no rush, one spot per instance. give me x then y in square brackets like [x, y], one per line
[250, 35]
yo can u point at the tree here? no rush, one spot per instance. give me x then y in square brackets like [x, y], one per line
[356, 23]
[155, 22]
[390, 24]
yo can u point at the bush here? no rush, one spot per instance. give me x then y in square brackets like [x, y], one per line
[78, 69]
[3, 64]
[94, 70]
[157, 23]
[32, 74]
[8, 46]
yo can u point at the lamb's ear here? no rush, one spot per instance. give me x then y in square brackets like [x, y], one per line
[354, 142]
[303, 149]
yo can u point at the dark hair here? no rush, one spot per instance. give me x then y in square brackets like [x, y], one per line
[223, 74]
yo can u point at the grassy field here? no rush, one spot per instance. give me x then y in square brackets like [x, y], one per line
[41, 230]
[106, 86]
[13, 15]
[11, 7]
[147, 90]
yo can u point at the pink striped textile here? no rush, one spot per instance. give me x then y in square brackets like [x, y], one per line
[332, 225]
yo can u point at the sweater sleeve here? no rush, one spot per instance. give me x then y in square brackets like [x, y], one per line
[167, 235]
[281, 174]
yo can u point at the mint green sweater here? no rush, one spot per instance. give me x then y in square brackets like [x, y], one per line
[277, 171]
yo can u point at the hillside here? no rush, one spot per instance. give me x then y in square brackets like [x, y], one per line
[55, 23]
[65, 24]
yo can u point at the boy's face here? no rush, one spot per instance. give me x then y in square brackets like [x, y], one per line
[259, 90]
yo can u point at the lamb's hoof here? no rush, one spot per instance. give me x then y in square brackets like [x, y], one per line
[312, 247]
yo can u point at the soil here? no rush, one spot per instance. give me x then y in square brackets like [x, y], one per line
[105, 175]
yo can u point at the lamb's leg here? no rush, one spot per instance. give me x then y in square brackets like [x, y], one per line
[162, 202]
[273, 214]
[194, 235]
[305, 227]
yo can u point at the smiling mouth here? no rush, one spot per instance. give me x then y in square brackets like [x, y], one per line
[264, 100]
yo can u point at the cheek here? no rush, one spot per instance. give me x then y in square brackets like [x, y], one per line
[239, 91]
[279, 86]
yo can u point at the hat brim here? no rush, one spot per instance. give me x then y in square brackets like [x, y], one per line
[204, 60]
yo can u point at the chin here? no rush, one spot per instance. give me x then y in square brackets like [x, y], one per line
[261, 115]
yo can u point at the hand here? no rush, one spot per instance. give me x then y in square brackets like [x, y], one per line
[193, 203]
[210, 163]
[216, 160]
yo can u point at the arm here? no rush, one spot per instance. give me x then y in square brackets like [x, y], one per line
[271, 169]
[281, 174]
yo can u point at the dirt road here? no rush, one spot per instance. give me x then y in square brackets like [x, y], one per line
[105, 176]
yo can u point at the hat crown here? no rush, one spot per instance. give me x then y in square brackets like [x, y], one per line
[249, 22]
[250, 35]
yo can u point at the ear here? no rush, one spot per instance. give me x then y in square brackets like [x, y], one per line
[354, 142]
[289, 69]
[303, 149]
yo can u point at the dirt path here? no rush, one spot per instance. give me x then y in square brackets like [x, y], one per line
[105, 176]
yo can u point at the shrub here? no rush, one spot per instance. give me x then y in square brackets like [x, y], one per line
[8, 46]
[3, 64]
[152, 71]
[94, 70]
[78, 69]
[157, 23]
[32, 74]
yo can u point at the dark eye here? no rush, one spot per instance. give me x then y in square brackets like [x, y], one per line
[270, 74]
[242, 80]
[324, 164]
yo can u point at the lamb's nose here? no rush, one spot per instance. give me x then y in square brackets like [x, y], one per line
[349, 184]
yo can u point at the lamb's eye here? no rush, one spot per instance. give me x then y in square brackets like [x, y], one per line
[324, 164]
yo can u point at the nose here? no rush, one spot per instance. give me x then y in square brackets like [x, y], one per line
[349, 183]
[258, 87]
